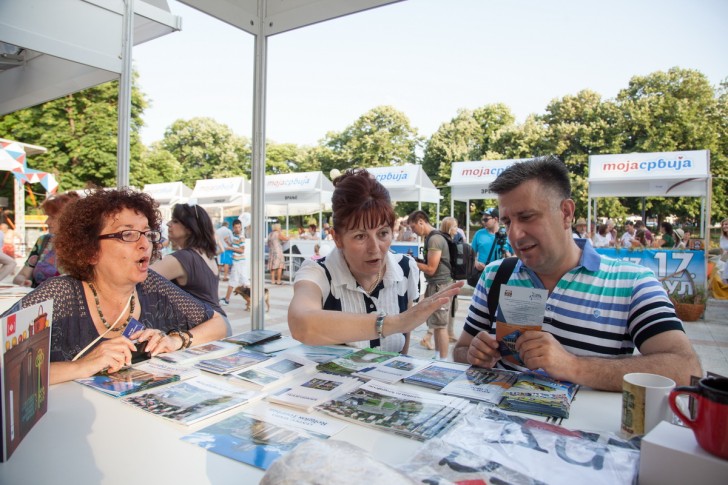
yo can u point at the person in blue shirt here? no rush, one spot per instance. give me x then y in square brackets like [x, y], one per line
[487, 243]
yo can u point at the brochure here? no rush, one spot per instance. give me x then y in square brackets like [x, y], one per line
[227, 364]
[275, 371]
[193, 400]
[414, 414]
[253, 337]
[437, 375]
[192, 355]
[319, 353]
[139, 377]
[25, 338]
[314, 390]
[356, 361]
[394, 369]
[525, 392]
[523, 310]
[277, 345]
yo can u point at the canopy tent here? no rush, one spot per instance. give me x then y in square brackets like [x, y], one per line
[230, 194]
[13, 158]
[294, 194]
[662, 174]
[408, 183]
[168, 194]
[470, 180]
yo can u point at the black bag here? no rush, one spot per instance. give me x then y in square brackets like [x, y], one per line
[462, 265]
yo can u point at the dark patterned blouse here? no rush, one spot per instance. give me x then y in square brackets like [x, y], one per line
[164, 306]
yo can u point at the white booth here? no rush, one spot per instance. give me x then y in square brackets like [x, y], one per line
[663, 174]
[221, 197]
[470, 181]
[168, 194]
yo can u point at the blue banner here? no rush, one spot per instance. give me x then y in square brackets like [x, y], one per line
[681, 272]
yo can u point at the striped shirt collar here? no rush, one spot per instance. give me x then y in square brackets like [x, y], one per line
[589, 259]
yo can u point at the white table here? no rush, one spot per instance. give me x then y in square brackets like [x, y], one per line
[88, 437]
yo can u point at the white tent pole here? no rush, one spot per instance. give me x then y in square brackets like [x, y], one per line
[467, 219]
[258, 172]
[124, 110]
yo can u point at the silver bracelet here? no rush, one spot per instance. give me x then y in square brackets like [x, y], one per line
[379, 324]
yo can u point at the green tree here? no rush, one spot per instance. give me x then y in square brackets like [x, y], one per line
[206, 149]
[283, 158]
[157, 165]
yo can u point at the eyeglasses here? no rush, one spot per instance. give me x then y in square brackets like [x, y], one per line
[485, 219]
[131, 235]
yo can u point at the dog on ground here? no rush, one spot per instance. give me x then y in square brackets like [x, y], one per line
[244, 291]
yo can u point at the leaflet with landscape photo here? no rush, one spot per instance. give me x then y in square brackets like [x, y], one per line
[437, 375]
[286, 417]
[209, 350]
[250, 440]
[480, 384]
[411, 413]
[276, 345]
[394, 369]
[193, 400]
[319, 353]
[227, 364]
[145, 375]
[356, 361]
[523, 309]
[535, 393]
[25, 338]
[313, 390]
[275, 371]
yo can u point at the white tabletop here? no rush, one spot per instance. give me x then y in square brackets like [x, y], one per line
[89, 437]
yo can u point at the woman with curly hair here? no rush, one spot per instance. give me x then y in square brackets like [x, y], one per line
[105, 242]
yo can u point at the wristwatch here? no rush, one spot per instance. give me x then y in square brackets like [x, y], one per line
[379, 324]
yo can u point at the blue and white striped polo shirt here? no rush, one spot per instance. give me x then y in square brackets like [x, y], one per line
[603, 307]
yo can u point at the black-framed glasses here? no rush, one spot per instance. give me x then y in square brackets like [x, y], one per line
[485, 219]
[132, 235]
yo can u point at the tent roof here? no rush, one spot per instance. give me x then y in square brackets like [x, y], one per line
[662, 174]
[297, 193]
[281, 15]
[169, 192]
[225, 192]
[52, 48]
[470, 180]
[407, 183]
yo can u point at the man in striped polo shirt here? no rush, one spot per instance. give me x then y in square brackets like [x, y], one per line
[598, 309]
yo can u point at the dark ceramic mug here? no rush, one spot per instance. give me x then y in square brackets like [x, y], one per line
[711, 418]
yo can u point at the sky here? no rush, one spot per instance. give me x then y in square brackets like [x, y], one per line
[426, 58]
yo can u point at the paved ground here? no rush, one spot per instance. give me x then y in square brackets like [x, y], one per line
[708, 336]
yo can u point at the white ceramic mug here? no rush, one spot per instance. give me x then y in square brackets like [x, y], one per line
[644, 402]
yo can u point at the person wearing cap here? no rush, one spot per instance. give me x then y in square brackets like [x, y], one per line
[486, 245]
[579, 231]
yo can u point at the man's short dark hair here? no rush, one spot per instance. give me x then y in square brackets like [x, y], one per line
[417, 216]
[236, 222]
[549, 171]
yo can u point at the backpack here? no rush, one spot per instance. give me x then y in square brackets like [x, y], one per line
[464, 261]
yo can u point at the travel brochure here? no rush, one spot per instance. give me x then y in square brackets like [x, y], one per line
[227, 364]
[437, 375]
[25, 338]
[273, 346]
[145, 375]
[275, 371]
[394, 369]
[356, 361]
[193, 400]
[525, 392]
[313, 390]
[319, 353]
[261, 435]
[414, 414]
[253, 337]
[195, 354]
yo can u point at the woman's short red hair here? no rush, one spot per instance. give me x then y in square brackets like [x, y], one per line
[359, 200]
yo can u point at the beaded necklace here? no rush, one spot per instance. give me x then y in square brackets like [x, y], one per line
[131, 303]
[374, 286]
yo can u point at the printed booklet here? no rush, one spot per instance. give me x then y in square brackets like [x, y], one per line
[275, 371]
[414, 414]
[253, 337]
[319, 353]
[356, 361]
[262, 434]
[193, 400]
[524, 392]
[210, 350]
[242, 359]
[437, 375]
[25, 338]
[313, 390]
[273, 346]
[145, 375]
[394, 369]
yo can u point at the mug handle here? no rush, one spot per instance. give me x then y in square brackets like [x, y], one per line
[672, 399]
